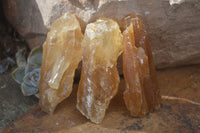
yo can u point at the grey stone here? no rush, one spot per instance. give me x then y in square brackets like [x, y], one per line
[174, 30]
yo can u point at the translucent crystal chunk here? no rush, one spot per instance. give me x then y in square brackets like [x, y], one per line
[61, 56]
[101, 46]
[142, 93]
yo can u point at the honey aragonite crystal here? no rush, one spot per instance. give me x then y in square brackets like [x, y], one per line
[142, 94]
[101, 46]
[61, 56]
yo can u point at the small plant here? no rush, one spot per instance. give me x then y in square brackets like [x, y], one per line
[28, 73]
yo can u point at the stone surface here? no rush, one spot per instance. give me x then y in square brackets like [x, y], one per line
[10, 42]
[101, 47]
[12, 102]
[175, 115]
[142, 94]
[61, 56]
[174, 30]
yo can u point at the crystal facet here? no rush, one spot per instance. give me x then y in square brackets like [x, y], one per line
[142, 93]
[101, 46]
[61, 56]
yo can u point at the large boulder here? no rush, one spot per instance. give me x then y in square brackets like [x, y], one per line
[174, 30]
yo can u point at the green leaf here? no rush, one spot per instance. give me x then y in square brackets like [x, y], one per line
[30, 67]
[18, 74]
[20, 58]
[33, 78]
[28, 90]
[35, 56]
[37, 95]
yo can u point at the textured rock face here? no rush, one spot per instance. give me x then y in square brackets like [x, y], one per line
[142, 94]
[173, 30]
[26, 18]
[61, 56]
[101, 46]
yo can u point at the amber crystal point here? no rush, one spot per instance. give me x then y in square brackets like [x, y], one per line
[61, 56]
[101, 46]
[142, 94]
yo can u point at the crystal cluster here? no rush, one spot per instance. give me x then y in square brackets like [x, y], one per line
[99, 50]
[101, 46]
[142, 94]
[61, 56]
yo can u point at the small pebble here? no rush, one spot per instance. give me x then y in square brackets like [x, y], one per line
[3, 86]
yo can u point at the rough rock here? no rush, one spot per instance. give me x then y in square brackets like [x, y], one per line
[174, 29]
[179, 113]
[12, 102]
